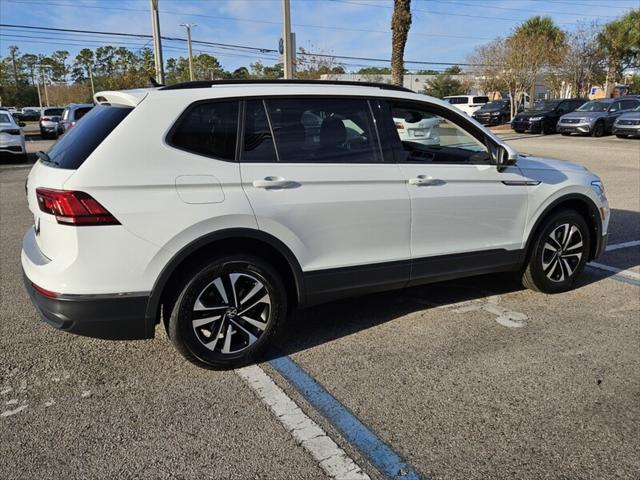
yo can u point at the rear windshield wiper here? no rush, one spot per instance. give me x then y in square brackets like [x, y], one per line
[44, 157]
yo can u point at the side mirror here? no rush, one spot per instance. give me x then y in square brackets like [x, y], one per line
[504, 158]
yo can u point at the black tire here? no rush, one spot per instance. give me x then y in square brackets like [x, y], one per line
[565, 134]
[547, 273]
[598, 130]
[519, 131]
[621, 136]
[203, 285]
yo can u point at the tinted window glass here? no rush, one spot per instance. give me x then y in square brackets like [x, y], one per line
[78, 143]
[324, 130]
[4, 118]
[629, 104]
[209, 129]
[48, 112]
[457, 100]
[81, 112]
[258, 142]
[480, 99]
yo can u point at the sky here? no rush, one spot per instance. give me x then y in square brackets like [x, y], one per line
[442, 30]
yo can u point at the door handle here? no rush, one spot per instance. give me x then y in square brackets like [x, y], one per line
[424, 180]
[274, 182]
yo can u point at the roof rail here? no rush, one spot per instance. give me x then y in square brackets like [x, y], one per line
[212, 83]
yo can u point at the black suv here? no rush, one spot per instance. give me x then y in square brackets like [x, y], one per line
[493, 113]
[544, 115]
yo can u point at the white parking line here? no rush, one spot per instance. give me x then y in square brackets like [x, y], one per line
[617, 246]
[618, 271]
[331, 458]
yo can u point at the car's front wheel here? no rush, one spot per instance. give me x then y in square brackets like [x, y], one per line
[228, 311]
[559, 253]
[598, 130]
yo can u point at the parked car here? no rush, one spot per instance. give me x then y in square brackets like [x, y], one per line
[596, 118]
[493, 113]
[416, 128]
[543, 116]
[72, 114]
[50, 122]
[628, 124]
[230, 213]
[11, 137]
[467, 103]
[29, 115]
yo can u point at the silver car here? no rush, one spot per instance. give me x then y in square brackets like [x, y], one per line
[628, 124]
[596, 118]
[11, 137]
[50, 122]
[72, 114]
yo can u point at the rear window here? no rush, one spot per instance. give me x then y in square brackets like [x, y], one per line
[53, 112]
[79, 142]
[457, 100]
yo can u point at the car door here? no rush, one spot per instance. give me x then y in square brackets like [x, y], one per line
[325, 190]
[464, 212]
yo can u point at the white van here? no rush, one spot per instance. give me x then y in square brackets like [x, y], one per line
[467, 103]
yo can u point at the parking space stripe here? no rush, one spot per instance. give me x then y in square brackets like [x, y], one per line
[617, 246]
[379, 453]
[331, 458]
[618, 275]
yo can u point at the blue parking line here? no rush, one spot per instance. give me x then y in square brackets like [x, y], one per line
[388, 462]
[604, 274]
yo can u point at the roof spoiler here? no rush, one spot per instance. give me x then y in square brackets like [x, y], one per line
[129, 98]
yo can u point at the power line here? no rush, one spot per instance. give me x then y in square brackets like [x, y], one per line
[495, 7]
[224, 45]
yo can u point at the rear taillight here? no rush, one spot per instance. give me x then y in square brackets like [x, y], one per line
[73, 208]
[46, 293]
[45, 119]
[399, 126]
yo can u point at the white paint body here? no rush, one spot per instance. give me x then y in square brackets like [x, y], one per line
[340, 215]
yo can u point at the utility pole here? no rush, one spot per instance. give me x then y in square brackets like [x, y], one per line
[33, 78]
[157, 44]
[286, 40]
[44, 82]
[93, 90]
[188, 26]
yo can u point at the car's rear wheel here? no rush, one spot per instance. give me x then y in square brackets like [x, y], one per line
[559, 253]
[598, 130]
[228, 311]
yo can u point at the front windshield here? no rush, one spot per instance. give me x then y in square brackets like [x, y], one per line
[594, 107]
[544, 105]
[494, 105]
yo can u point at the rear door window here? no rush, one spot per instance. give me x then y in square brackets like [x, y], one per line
[480, 99]
[324, 130]
[629, 104]
[207, 128]
[79, 142]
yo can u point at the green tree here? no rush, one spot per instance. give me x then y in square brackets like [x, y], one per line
[453, 70]
[620, 40]
[374, 71]
[443, 85]
[400, 24]
[543, 43]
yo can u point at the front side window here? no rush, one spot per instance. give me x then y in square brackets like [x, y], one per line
[330, 130]
[431, 138]
[594, 107]
[208, 128]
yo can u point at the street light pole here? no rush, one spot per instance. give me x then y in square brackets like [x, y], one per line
[157, 43]
[188, 26]
[286, 40]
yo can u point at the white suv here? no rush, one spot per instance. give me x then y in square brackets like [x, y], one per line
[219, 207]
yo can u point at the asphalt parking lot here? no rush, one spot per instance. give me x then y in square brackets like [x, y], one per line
[470, 379]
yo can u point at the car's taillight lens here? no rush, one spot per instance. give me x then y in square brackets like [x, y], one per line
[45, 119]
[73, 208]
[46, 293]
[399, 126]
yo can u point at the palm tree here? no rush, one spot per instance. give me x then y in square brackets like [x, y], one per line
[400, 24]
[545, 43]
[620, 39]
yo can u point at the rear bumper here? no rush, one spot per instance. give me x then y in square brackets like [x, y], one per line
[111, 317]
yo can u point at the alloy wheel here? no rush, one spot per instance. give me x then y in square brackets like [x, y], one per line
[231, 312]
[562, 252]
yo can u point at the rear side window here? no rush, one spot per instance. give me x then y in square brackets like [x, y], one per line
[629, 104]
[209, 129]
[313, 130]
[79, 142]
[81, 112]
[480, 99]
[457, 100]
